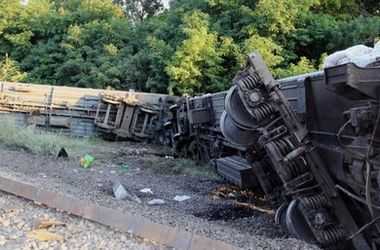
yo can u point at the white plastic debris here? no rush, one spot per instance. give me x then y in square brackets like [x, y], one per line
[181, 197]
[43, 175]
[121, 193]
[156, 202]
[360, 55]
[146, 191]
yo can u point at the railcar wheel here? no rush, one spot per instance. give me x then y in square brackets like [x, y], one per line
[237, 111]
[296, 223]
[235, 134]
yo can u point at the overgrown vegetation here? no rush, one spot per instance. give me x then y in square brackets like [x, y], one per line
[194, 47]
[38, 141]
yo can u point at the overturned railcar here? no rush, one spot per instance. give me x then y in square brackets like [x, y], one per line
[318, 136]
[196, 129]
[134, 116]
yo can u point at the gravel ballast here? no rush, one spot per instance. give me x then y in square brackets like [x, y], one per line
[18, 218]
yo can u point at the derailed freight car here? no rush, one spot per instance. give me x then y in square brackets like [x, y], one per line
[197, 134]
[196, 128]
[135, 116]
[317, 136]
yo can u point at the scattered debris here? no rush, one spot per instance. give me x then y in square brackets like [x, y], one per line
[156, 202]
[4, 222]
[87, 161]
[44, 235]
[224, 192]
[3, 240]
[235, 193]
[124, 167]
[243, 198]
[146, 191]
[47, 223]
[231, 195]
[227, 212]
[121, 193]
[253, 207]
[181, 197]
[43, 175]
[62, 153]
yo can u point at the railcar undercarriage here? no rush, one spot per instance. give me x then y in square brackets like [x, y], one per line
[325, 153]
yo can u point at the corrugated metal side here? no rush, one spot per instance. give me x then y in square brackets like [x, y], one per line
[218, 105]
[18, 118]
[294, 90]
[82, 127]
[78, 127]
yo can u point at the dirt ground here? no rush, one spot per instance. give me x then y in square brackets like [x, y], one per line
[138, 166]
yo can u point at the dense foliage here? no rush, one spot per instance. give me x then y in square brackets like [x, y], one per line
[193, 47]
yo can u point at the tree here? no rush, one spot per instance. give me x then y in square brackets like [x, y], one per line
[269, 50]
[279, 16]
[10, 71]
[302, 67]
[196, 62]
[194, 47]
[138, 10]
[77, 43]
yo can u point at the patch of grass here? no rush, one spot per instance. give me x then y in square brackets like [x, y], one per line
[37, 141]
[179, 167]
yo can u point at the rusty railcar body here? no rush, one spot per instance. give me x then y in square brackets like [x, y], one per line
[140, 118]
